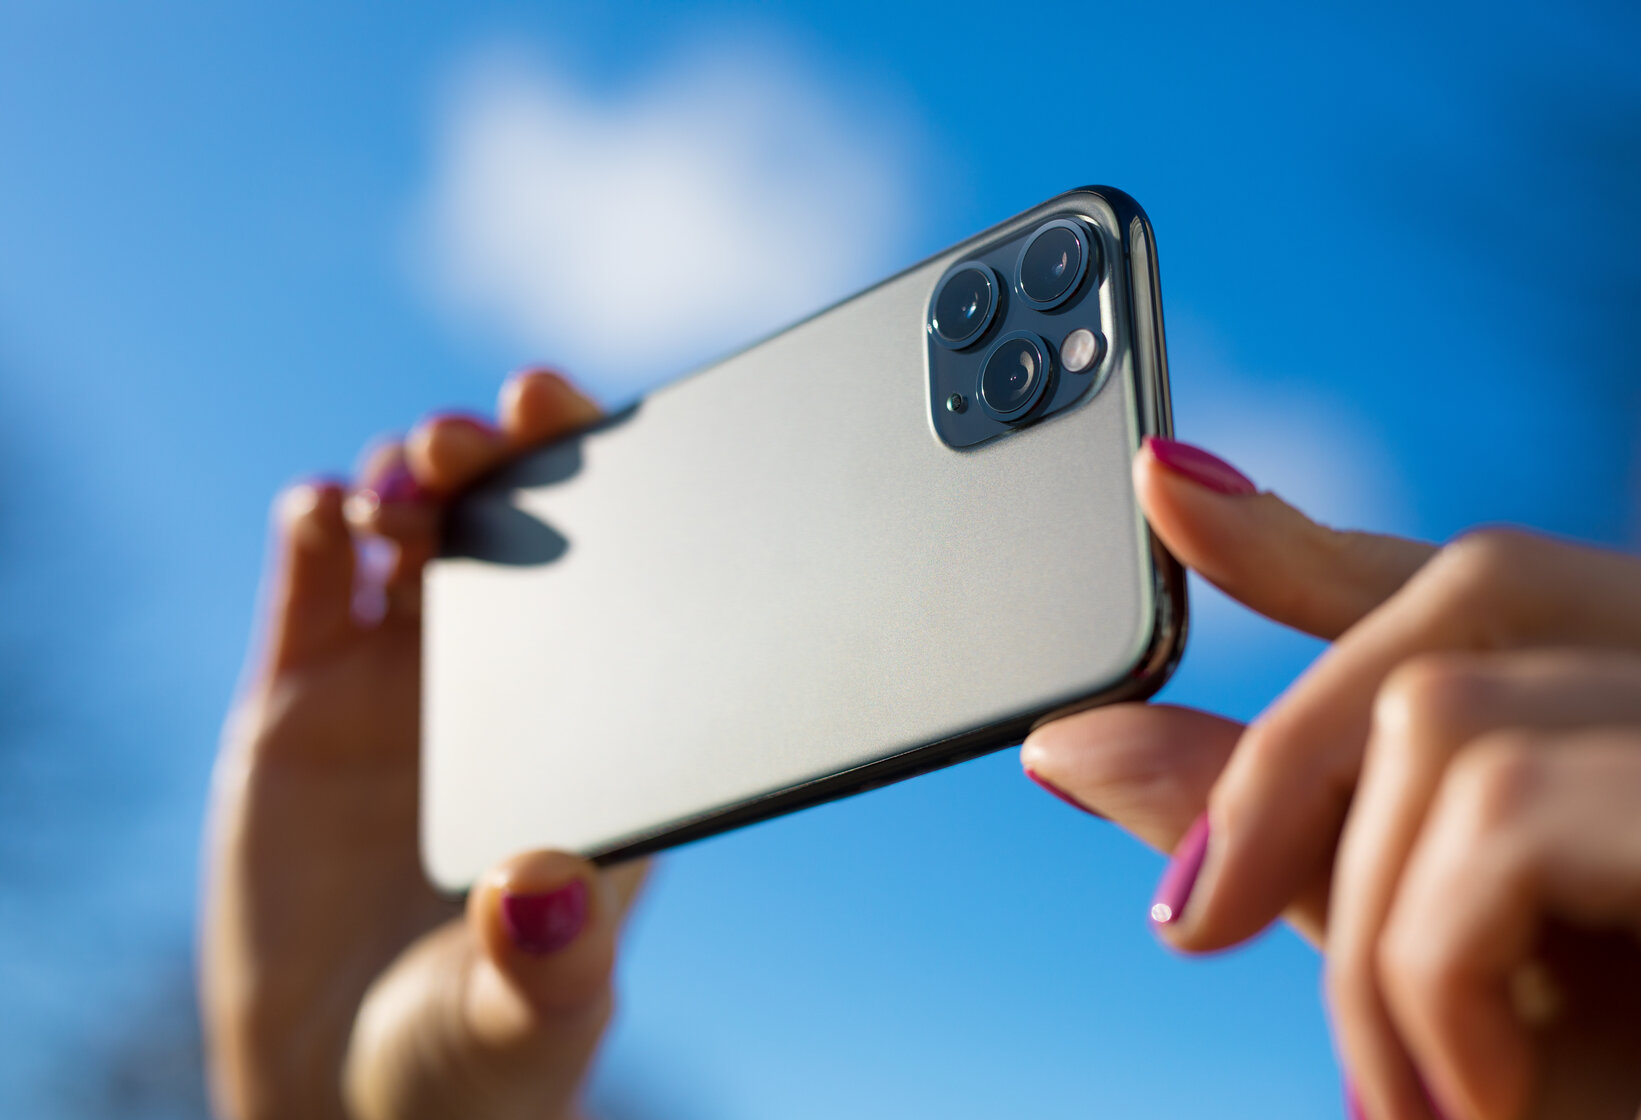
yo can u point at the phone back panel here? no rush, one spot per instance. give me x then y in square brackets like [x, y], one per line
[772, 572]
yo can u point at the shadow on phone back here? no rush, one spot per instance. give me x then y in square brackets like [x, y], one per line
[897, 534]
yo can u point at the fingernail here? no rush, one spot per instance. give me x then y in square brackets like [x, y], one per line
[1174, 890]
[398, 485]
[1049, 787]
[545, 923]
[1200, 467]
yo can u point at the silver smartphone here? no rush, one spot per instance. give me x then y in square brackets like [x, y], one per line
[896, 535]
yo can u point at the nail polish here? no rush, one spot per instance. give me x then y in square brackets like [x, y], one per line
[398, 485]
[1200, 466]
[1054, 790]
[1174, 890]
[546, 922]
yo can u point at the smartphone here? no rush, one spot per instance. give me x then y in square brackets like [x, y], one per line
[894, 536]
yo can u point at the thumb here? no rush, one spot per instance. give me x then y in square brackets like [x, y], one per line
[1260, 550]
[497, 1014]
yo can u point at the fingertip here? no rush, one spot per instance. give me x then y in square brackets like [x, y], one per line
[385, 475]
[544, 921]
[1147, 767]
[449, 450]
[389, 502]
[1196, 502]
[1174, 889]
[378, 456]
[1184, 463]
[538, 404]
[312, 583]
[309, 513]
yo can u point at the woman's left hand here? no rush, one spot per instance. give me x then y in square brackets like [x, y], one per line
[1449, 800]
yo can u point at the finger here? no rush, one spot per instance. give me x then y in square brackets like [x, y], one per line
[311, 574]
[397, 524]
[1427, 711]
[1278, 809]
[539, 405]
[1147, 768]
[387, 501]
[449, 450]
[499, 1013]
[546, 923]
[628, 880]
[1261, 551]
[1525, 828]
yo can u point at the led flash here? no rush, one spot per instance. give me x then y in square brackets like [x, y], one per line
[1079, 350]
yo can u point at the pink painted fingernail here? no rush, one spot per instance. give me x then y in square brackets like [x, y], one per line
[1050, 788]
[398, 485]
[1200, 467]
[545, 923]
[1174, 890]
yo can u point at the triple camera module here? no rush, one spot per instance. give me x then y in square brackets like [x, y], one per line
[1014, 334]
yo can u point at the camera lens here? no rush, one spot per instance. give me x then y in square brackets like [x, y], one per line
[1014, 375]
[1052, 263]
[964, 305]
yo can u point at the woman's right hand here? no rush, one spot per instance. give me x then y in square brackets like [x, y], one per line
[1474, 731]
[335, 982]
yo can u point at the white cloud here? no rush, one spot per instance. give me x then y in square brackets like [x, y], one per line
[629, 235]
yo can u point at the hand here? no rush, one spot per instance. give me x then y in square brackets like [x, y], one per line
[1478, 721]
[335, 981]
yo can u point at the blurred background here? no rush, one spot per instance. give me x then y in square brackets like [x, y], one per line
[1401, 265]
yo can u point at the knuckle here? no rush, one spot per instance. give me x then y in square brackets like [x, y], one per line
[1432, 695]
[1478, 583]
[1483, 559]
[1493, 783]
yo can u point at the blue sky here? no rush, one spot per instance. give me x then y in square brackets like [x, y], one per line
[1398, 254]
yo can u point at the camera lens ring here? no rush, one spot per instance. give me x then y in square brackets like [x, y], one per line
[999, 390]
[970, 332]
[1087, 248]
